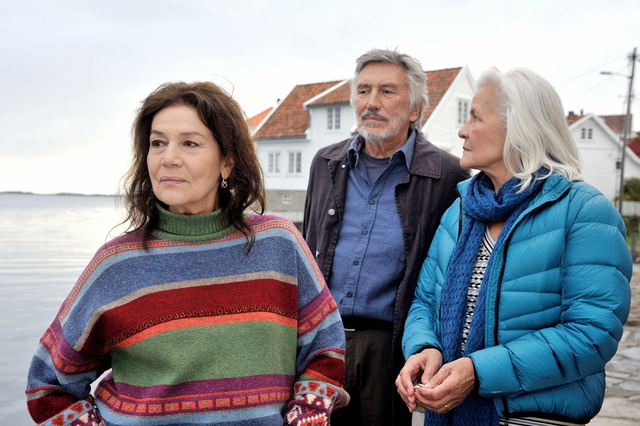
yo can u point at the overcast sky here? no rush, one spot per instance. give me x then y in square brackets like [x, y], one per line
[74, 72]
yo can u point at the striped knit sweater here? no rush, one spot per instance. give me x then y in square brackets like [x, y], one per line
[195, 331]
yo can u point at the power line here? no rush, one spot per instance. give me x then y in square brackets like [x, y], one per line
[592, 70]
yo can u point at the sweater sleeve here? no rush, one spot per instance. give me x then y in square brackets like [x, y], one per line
[318, 390]
[60, 375]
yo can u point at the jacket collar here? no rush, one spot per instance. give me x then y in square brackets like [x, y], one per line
[427, 159]
[553, 188]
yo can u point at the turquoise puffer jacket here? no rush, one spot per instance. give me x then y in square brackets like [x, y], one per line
[554, 314]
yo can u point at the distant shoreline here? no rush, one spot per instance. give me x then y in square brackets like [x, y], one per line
[58, 193]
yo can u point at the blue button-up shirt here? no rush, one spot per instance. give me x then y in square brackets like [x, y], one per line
[369, 260]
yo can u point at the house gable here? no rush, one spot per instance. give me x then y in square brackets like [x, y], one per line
[438, 83]
[599, 148]
[290, 118]
[450, 109]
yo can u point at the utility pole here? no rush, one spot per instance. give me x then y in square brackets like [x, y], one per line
[627, 124]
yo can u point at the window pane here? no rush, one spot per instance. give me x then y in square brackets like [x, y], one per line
[336, 121]
[330, 118]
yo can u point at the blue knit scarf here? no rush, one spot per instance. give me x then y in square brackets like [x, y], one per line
[481, 205]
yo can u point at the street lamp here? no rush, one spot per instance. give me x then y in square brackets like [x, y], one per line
[627, 122]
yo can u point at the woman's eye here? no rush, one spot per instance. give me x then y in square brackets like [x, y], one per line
[190, 144]
[156, 143]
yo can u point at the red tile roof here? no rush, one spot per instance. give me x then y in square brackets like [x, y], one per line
[257, 119]
[290, 119]
[438, 82]
[634, 144]
[616, 123]
[340, 95]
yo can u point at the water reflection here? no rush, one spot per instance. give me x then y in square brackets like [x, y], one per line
[45, 243]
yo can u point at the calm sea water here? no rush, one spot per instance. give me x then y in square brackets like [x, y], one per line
[45, 243]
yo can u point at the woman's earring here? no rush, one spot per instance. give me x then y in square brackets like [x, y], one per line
[224, 183]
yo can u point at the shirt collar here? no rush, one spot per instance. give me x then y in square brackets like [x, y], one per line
[406, 149]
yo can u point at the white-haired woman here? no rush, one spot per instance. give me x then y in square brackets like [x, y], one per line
[522, 298]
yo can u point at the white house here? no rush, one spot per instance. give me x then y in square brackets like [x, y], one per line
[599, 141]
[315, 115]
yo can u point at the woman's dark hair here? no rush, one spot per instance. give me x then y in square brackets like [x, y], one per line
[226, 120]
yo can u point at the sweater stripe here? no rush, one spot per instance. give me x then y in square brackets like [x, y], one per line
[135, 314]
[196, 322]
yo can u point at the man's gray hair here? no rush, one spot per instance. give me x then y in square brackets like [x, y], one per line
[532, 117]
[416, 77]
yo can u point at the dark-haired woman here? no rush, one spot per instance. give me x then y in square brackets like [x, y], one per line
[203, 314]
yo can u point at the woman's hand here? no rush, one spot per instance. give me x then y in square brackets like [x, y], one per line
[419, 369]
[448, 387]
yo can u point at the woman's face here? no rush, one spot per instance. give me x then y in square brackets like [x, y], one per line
[184, 161]
[483, 147]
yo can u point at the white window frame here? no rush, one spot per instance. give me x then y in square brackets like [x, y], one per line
[586, 133]
[463, 111]
[273, 166]
[333, 118]
[295, 163]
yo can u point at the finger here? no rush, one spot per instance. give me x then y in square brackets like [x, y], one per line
[430, 370]
[410, 403]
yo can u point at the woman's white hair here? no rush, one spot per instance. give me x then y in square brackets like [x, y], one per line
[532, 116]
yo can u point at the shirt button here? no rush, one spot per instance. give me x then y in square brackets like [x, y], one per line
[344, 165]
[349, 294]
[356, 262]
[331, 212]
[371, 202]
[364, 232]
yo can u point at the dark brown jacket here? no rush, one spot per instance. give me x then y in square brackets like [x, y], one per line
[422, 197]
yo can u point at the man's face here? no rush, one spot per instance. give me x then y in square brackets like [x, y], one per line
[382, 104]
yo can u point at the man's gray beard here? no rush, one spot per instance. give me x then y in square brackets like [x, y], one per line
[379, 138]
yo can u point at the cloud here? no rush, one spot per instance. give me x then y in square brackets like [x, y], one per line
[74, 72]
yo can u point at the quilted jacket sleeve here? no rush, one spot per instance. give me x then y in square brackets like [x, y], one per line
[422, 325]
[572, 294]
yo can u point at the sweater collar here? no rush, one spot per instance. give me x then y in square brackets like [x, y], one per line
[191, 228]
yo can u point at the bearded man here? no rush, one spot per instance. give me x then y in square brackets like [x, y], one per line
[373, 204]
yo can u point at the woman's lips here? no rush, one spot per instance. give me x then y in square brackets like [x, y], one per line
[171, 180]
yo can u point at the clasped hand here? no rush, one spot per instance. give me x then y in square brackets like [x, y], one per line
[443, 386]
